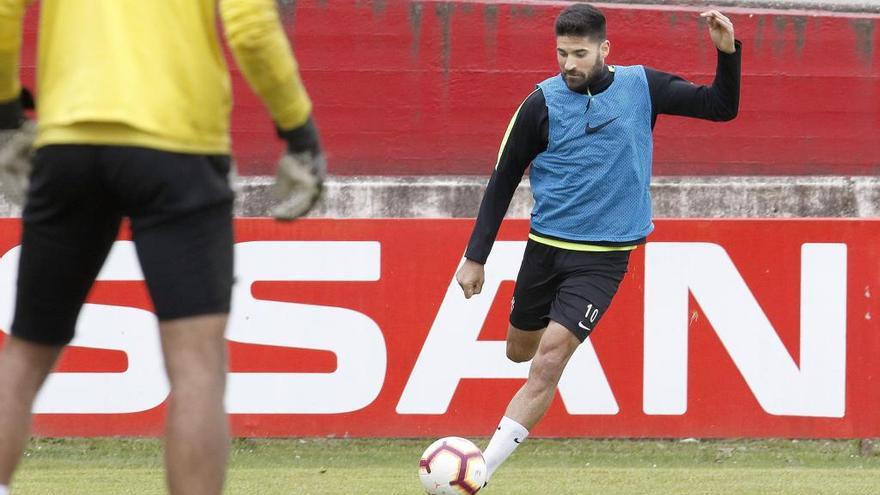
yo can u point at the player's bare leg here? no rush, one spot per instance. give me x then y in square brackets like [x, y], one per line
[197, 437]
[522, 344]
[532, 400]
[24, 367]
[528, 406]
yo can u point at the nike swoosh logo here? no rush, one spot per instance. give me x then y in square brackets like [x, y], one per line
[517, 440]
[581, 324]
[599, 127]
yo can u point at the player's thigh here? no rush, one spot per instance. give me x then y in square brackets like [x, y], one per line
[591, 280]
[188, 262]
[181, 217]
[69, 224]
[195, 351]
[535, 289]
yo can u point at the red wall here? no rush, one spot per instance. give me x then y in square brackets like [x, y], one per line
[427, 87]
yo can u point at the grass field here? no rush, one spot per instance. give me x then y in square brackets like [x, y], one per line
[389, 467]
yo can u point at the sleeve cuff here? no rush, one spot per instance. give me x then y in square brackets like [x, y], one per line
[302, 138]
[476, 259]
[11, 114]
[737, 50]
[12, 111]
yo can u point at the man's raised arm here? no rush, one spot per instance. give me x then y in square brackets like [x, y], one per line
[672, 95]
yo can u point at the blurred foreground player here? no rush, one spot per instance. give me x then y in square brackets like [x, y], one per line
[587, 133]
[133, 121]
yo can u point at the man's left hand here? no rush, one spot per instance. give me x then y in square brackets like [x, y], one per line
[301, 172]
[720, 30]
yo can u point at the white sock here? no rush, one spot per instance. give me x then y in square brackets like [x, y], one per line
[506, 439]
[4, 490]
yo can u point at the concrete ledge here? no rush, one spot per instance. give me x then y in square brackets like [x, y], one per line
[679, 197]
[676, 197]
[389, 197]
[767, 197]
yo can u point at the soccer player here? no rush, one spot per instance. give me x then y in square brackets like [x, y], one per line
[133, 121]
[587, 133]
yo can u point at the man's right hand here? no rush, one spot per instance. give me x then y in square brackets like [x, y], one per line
[470, 277]
[17, 135]
[15, 161]
[301, 171]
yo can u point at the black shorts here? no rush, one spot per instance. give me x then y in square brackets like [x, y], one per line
[572, 288]
[180, 206]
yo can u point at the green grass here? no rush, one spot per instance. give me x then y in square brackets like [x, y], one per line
[389, 467]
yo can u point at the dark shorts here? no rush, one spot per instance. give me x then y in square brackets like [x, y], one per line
[572, 288]
[180, 206]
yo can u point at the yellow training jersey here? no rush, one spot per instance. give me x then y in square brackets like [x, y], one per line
[150, 72]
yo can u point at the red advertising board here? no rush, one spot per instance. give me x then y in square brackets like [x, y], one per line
[722, 328]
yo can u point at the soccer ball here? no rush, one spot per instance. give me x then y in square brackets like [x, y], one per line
[452, 466]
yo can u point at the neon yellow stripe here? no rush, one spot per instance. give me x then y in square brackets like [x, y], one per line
[509, 128]
[573, 246]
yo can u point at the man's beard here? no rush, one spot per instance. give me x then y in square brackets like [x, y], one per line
[581, 84]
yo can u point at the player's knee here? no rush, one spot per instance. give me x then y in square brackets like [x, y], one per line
[519, 353]
[547, 367]
[194, 346]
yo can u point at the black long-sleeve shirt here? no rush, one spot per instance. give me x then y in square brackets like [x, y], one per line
[528, 135]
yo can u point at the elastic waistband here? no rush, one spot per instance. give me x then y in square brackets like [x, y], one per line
[575, 246]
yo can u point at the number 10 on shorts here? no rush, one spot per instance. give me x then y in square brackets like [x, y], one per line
[591, 314]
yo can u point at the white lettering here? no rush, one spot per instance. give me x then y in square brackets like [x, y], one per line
[356, 339]
[817, 388]
[141, 386]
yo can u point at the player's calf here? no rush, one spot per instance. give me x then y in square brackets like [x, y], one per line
[519, 353]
